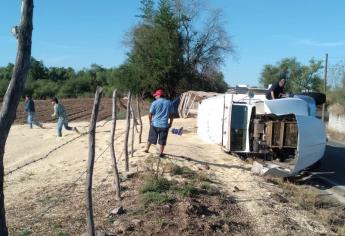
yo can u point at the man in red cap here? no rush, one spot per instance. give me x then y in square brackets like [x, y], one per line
[161, 111]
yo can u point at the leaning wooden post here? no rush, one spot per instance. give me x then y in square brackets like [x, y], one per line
[112, 149]
[139, 118]
[128, 123]
[133, 126]
[23, 34]
[92, 144]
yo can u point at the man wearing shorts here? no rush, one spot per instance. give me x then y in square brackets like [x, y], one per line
[161, 112]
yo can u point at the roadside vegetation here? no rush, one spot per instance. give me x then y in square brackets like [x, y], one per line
[316, 204]
[181, 201]
[173, 200]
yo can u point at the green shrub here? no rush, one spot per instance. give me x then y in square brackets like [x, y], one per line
[184, 171]
[187, 190]
[155, 184]
[25, 232]
[3, 86]
[155, 198]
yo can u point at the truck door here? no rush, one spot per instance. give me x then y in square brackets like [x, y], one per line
[238, 127]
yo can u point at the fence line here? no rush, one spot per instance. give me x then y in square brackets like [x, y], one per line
[51, 151]
[64, 193]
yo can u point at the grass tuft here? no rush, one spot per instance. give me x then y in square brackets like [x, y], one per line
[187, 190]
[25, 232]
[155, 184]
[184, 171]
[155, 198]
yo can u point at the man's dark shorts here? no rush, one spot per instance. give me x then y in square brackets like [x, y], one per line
[158, 133]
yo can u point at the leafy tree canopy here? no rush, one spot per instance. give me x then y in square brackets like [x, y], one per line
[300, 77]
[167, 51]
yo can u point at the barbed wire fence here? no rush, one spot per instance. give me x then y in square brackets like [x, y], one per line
[65, 193]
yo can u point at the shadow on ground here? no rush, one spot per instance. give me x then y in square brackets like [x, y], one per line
[207, 163]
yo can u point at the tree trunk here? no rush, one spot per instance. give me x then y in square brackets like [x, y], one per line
[140, 120]
[112, 150]
[89, 175]
[14, 91]
[128, 123]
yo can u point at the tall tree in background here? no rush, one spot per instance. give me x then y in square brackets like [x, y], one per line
[5, 77]
[155, 57]
[204, 47]
[301, 77]
[169, 51]
[23, 34]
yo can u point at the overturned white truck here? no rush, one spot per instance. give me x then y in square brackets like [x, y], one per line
[284, 134]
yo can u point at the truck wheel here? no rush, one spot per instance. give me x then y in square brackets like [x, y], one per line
[320, 98]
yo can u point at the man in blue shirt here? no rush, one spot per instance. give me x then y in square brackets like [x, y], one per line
[161, 111]
[30, 109]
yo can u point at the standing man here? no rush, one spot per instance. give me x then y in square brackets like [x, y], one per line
[161, 112]
[276, 91]
[30, 109]
[60, 114]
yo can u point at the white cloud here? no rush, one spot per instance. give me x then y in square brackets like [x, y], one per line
[322, 44]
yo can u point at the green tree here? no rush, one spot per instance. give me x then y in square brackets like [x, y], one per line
[6, 72]
[147, 11]
[5, 77]
[37, 70]
[3, 86]
[300, 77]
[164, 55]
[155, 57]
[61, 73]
[45, 89]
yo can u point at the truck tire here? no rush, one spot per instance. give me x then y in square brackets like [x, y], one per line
[320, 98]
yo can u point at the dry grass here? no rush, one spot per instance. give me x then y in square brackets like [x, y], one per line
[160, 204]
[337, 109]
[336, 135]
[320, 206]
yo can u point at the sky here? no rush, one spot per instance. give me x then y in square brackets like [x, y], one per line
[78, 33]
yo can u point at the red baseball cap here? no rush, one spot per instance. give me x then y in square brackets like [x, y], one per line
[159, 92]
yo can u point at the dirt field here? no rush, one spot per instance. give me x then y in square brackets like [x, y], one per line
[77, 109]
[46, 197]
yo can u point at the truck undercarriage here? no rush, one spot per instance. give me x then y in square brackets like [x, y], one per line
[274, 138]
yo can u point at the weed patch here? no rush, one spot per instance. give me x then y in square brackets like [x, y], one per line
[184, 171]
[322, 208]
[25, 232]
[187, 190]
[155, 184]
[155, 198]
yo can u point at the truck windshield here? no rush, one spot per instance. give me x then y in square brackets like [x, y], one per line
[238, 127]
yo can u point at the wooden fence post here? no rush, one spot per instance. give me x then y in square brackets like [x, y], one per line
[91, 161]
[133, 126]
[23, 34]
[140, 120]
[128, 123]
[112, 149]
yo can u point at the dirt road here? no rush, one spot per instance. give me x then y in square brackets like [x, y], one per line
[46, 194]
